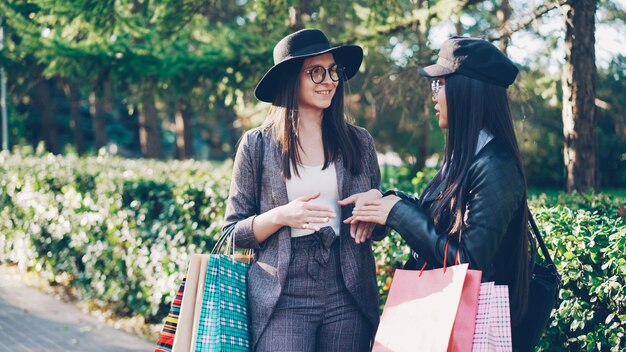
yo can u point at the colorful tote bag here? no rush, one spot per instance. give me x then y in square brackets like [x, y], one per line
[181, 322]
[223, 324]
[166, 338]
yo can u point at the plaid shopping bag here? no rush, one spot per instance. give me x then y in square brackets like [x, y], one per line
[224, 322]
[493, 320]
[166, 338]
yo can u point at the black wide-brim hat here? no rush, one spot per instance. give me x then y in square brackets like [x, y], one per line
[302, 44]
[474, 58]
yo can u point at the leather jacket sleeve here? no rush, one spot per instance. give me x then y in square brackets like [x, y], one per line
[402, 195]
[496, 191]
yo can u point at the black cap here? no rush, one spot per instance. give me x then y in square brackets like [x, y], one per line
[474, 58]
[301, 44]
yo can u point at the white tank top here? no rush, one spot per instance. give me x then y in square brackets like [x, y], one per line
[313, 179]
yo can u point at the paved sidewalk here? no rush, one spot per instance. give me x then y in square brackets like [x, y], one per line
[33, 321]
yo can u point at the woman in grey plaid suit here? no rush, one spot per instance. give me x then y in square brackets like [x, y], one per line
[312, 285]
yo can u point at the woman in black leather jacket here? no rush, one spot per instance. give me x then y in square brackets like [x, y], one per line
[478, 198]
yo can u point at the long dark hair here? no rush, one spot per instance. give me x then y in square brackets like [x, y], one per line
[472, 106]
[338, 139]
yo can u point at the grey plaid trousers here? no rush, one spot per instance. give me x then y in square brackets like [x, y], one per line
[315, 311]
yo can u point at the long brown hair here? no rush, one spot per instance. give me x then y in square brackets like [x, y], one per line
[472, 106]
[338, 139]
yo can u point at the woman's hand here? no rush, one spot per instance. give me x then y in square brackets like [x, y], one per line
[375, 211]
[361, 231]
[300, 213]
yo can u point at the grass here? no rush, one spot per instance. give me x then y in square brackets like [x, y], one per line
[553, 193]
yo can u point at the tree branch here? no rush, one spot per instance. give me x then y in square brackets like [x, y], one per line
[507, 31]
[387, 31]
[514, 27]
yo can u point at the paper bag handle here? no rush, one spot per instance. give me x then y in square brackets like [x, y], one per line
[445, 259]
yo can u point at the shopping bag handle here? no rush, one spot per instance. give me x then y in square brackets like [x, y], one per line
[445, 259]
[226, 235]
[228, 240]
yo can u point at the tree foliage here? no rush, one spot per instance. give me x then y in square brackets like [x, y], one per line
[140, 63]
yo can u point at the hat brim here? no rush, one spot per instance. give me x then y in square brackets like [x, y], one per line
[350, 56]
[434, 70]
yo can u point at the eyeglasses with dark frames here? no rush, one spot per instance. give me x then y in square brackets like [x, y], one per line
[318, 73]
[436, 86]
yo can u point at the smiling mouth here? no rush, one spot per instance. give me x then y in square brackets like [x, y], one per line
[324, 92]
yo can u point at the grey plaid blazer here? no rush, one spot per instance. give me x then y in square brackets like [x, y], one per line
[267, 273]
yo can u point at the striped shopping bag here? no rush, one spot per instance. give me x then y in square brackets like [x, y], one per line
[224, 324]
[166, 338]
[178, 333]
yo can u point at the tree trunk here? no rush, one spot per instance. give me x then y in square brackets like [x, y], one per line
[424, 128]
[99, 107]
[71, 90]
[424, 120]
[46, 110]
[503, 15]
[296, 14]
[579, 91]
[458, 26]
[184, 148]
[149, 125]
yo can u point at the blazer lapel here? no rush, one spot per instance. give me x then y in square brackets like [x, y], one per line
[343, 188]
[342, 178]
[279, 188]
[278, 193]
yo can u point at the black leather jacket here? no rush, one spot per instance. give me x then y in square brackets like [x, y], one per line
[493, 215]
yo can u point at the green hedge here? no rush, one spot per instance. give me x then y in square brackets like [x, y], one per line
[587, 233]
[118, 232]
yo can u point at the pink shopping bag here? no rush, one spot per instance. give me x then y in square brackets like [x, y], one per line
[420, 310]
[464, 324]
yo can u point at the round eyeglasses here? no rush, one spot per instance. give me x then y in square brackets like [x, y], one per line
[436, 86]
[318, 73]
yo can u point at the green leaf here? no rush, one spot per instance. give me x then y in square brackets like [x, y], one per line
[609, 318]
